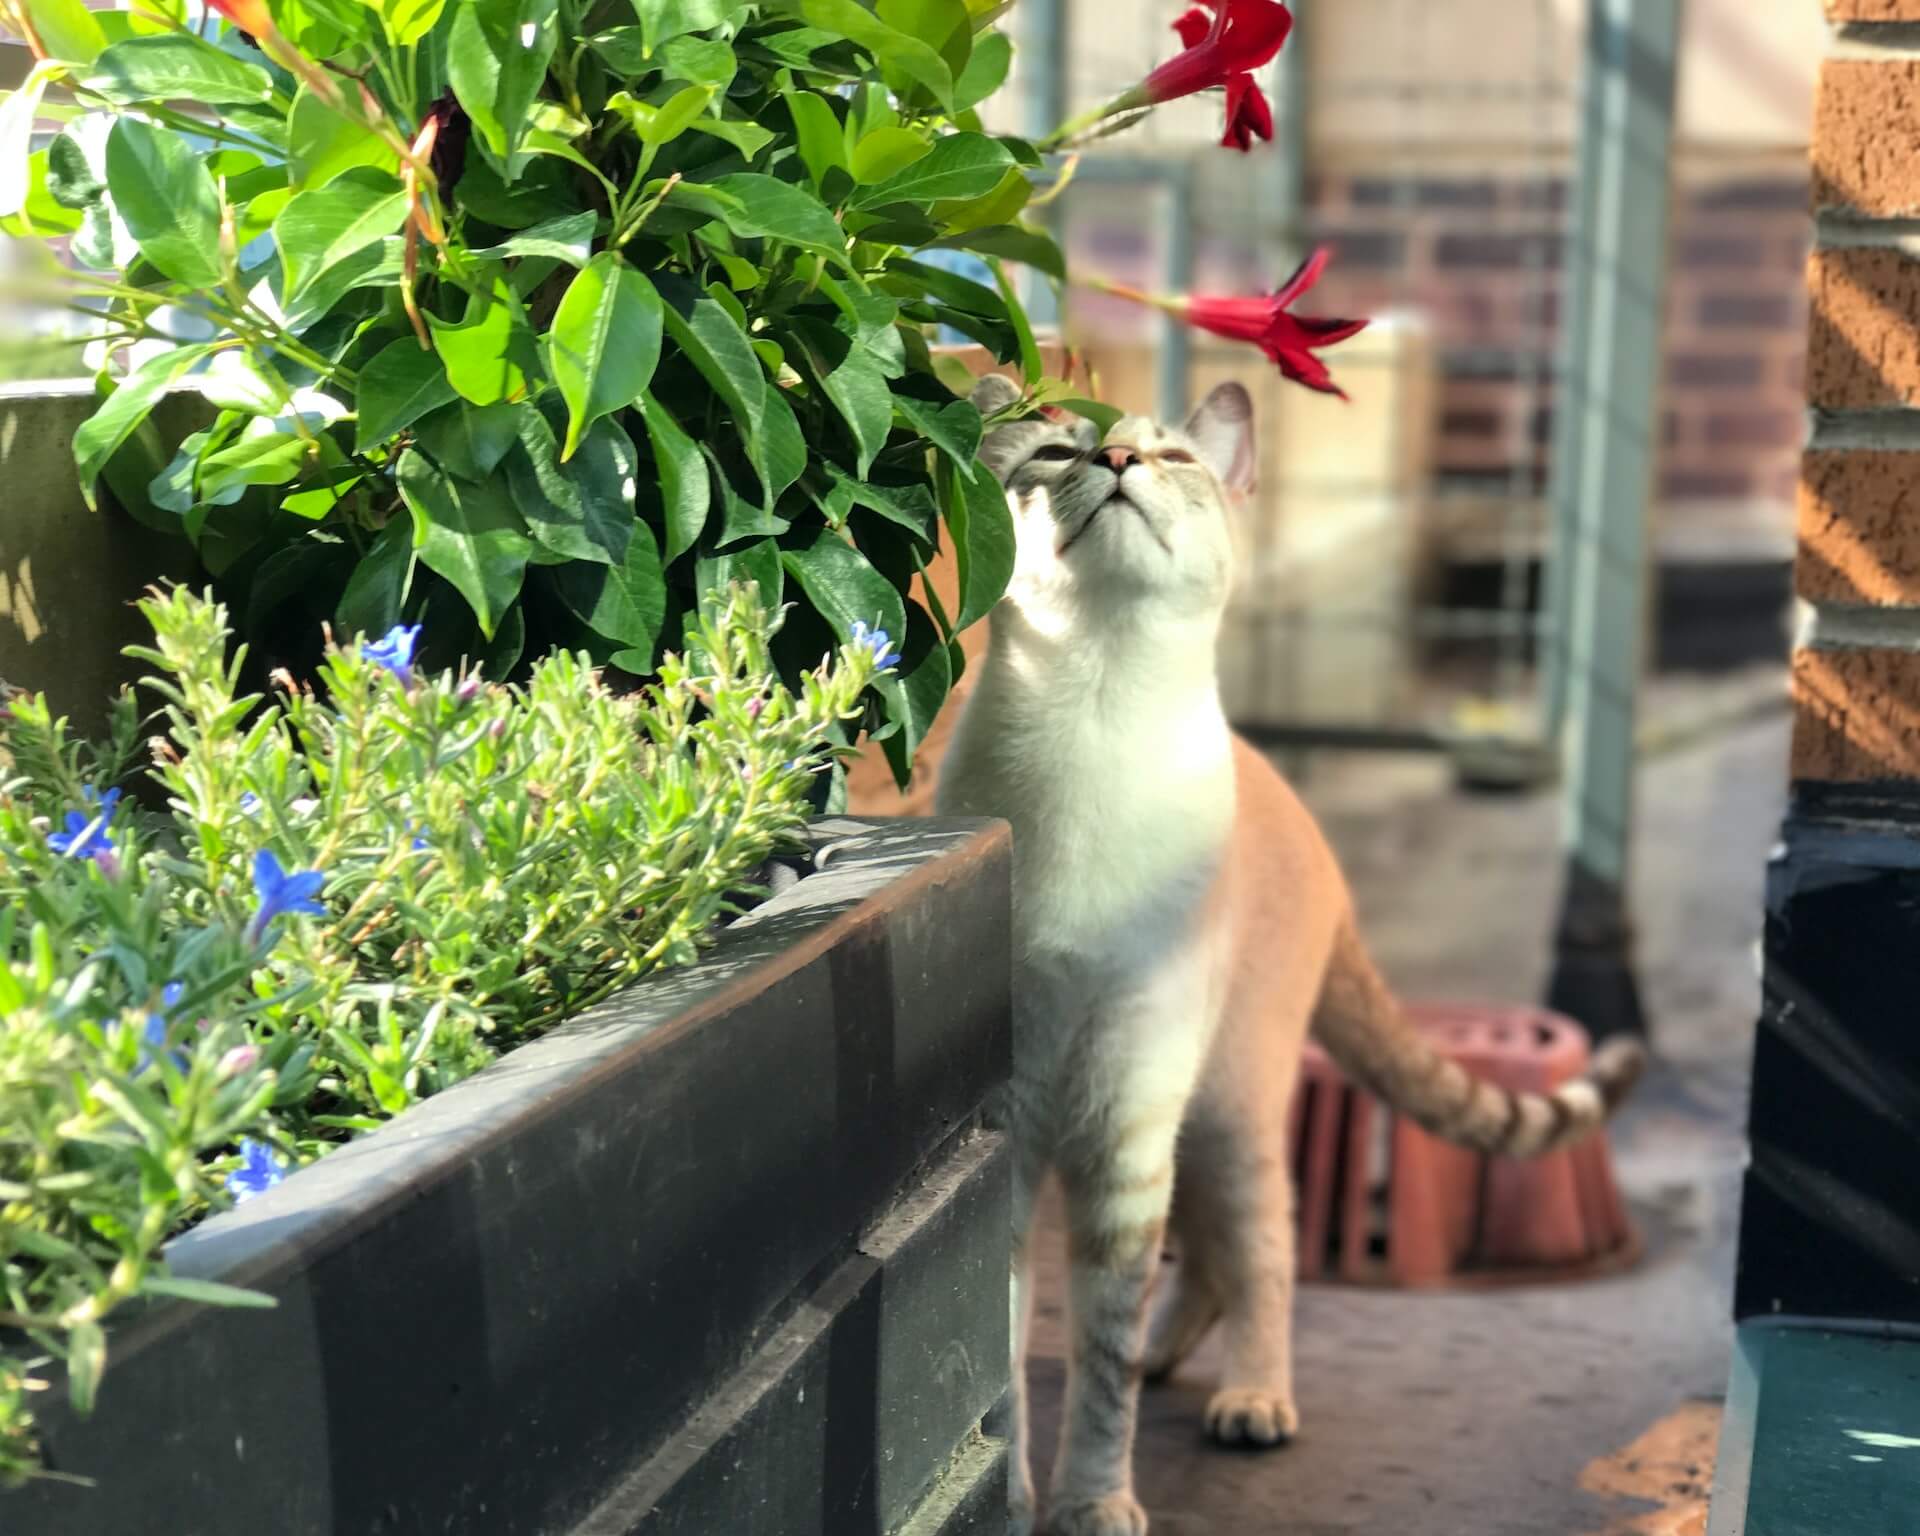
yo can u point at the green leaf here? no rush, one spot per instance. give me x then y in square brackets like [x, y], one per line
[320, 228]
[69, 31]
[102, 433]
[909, 506]
[748, 138]
[853, 380]
[377, 590]
[568, 239]
[843, 586]
[321, 143]
[73, 178]
[958, 165]
[1016, 242]
[605, 342]
[625, 602]
[176, 66]
[985, 71]
[961, 293]
[740, 518]
[777, 210]
[407, 21]
[758, 563]
[209, 1292]
[470, 534]
[17, 113]
[685, 491]
[1105, 417]
[887, 151]
[982, 530]
[379, 265]
[914, 690]
[86, 1362]
[1000, 206]
[896, 52]
[1031, 367]
[714, 343]
[483, 352]
[470, 440]
[664, 19]
[822, 142]
[258, 458]
[167, 200]
[398, 386]
[497, 57]
[953, 428]
[700, 61]
[583, 507]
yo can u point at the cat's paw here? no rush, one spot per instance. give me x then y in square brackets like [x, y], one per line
[1251, 1416]
[1116, 1514]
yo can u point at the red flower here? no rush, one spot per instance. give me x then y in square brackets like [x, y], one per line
[1248, 114]
[1241, 36]
[1289, 340]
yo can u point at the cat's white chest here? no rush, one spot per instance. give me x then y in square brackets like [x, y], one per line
[1120, 816]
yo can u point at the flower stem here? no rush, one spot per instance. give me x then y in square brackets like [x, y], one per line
[1127, 101]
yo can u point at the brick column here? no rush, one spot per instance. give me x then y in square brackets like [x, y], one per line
[1831, 1219]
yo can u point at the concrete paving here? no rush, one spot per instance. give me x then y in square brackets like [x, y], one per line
[1492, 1413]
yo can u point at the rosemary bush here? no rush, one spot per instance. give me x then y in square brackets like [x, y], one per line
[362, 891]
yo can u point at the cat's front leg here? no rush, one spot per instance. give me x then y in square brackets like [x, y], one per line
[1116, 1171]
[1116, 1196]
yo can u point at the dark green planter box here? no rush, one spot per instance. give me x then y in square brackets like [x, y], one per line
[725, 1255]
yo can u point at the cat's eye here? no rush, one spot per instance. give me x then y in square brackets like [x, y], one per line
[1175, 456]
[1056, 453]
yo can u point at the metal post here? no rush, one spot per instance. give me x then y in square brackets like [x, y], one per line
[1043, 64]
[1622, 229]
[1175, 360]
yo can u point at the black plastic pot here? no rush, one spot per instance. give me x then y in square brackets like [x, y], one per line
[726, 1255]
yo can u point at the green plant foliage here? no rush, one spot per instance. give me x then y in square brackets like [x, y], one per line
[361, 892]
[590, 297]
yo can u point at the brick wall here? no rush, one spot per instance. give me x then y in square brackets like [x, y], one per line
[1858, 684]
[1481, 257]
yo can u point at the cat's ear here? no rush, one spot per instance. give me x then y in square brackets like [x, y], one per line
[994, 393]
[1222, 429]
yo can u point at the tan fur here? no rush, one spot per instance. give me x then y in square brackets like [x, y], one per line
[1180, 925]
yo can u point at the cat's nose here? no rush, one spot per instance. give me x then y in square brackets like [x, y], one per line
[1119, 456]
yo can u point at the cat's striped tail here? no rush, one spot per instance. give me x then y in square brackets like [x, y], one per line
[1365, 1030]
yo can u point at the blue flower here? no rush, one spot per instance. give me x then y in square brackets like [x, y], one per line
[154, 1034]
[249, 804]
[86, 831]
[282, 893]
[876, 641]
[394, 650]
[258, 1172]
[420, 843]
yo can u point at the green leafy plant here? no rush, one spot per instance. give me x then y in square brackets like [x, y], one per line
[361, 892]
[535, 319]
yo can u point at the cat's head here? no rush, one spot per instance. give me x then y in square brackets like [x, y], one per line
[1140, 518]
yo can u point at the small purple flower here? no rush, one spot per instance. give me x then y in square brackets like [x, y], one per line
[876, 641]
[420, 843]
[754, 706]
[86, 831]
[394, 650]
[258, 1172]
[469, 688]
[282, 893]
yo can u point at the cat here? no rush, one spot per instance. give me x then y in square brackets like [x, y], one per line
[1180, 924]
